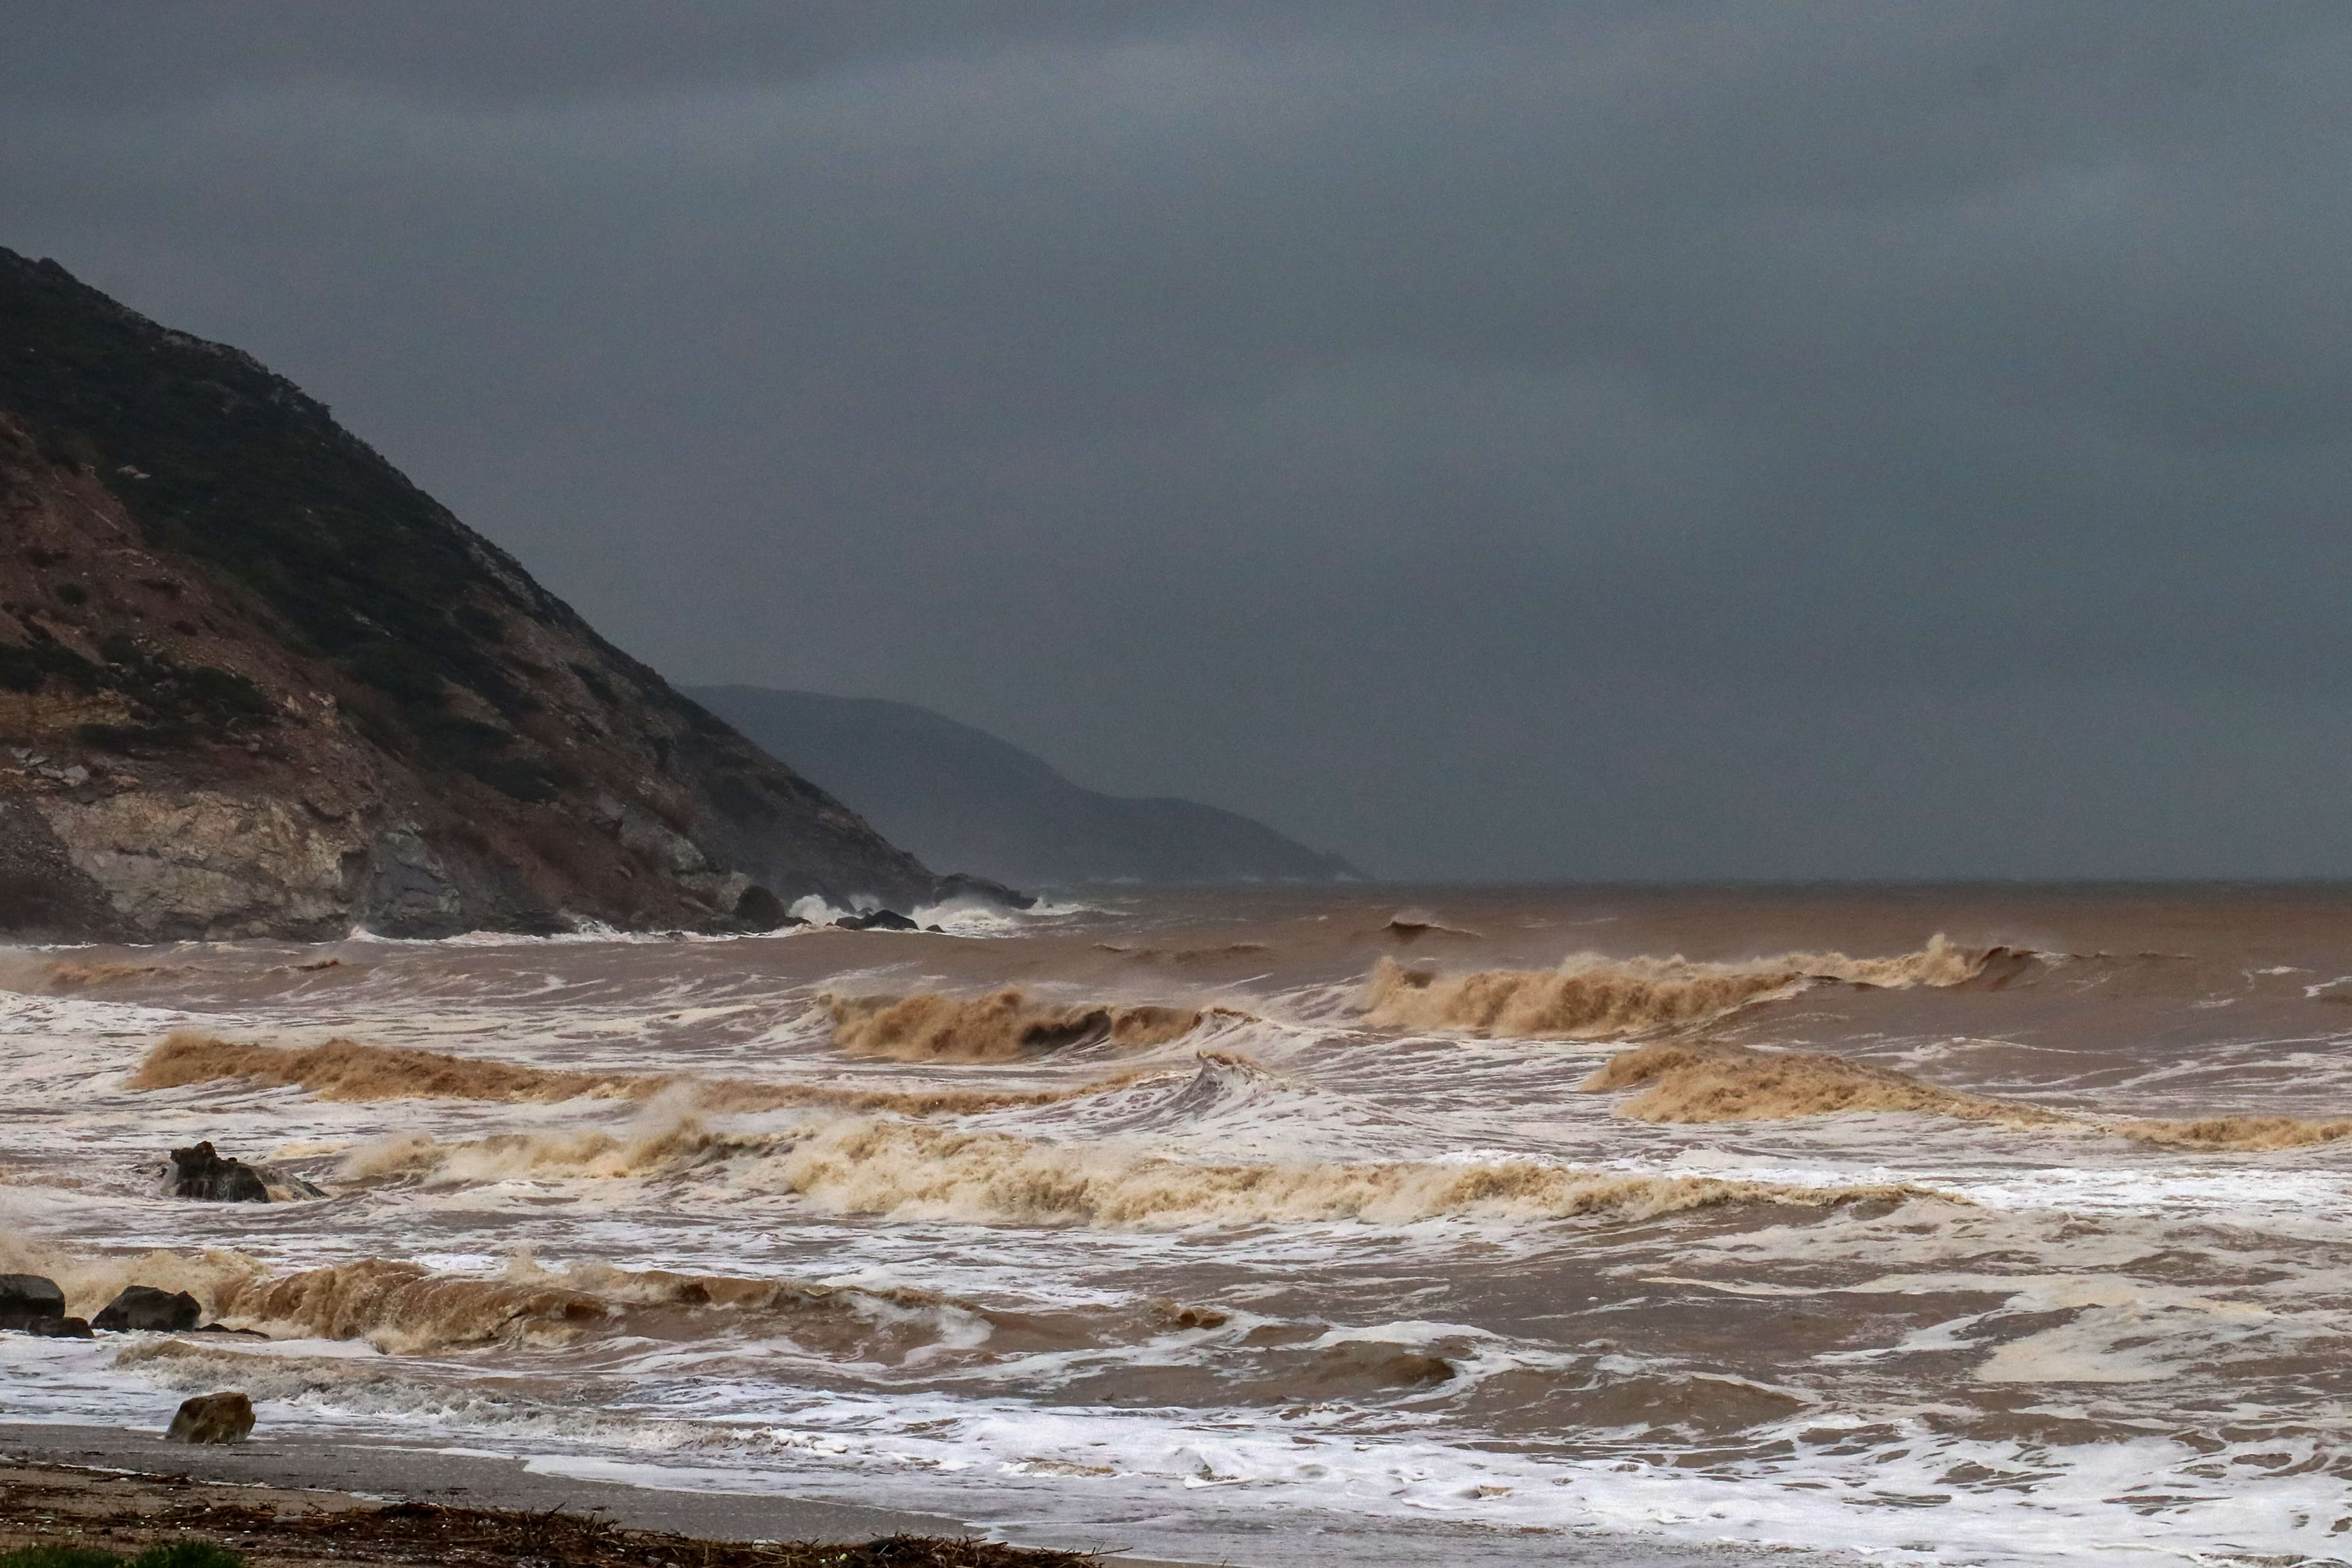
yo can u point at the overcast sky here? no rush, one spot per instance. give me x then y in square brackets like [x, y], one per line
[1686, 439]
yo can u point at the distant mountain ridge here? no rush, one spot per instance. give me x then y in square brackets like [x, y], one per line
[254, 682]
[956, 795]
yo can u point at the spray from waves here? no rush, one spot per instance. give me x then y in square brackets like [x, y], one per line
[1702, 1083]
[1001, 1027]
[349, 1070]
[1591, 996]
[90, 1283]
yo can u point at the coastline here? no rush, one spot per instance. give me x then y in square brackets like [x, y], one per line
[118, 1488]
[114, 1487]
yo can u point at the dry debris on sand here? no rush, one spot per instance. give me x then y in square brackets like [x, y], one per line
[42, 1505]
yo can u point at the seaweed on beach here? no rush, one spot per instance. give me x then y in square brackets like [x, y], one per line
[414, 1532]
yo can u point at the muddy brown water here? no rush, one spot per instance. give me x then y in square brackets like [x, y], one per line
[1355, 1246]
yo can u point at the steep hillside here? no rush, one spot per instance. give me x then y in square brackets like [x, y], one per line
[252, 680]
[960, 796]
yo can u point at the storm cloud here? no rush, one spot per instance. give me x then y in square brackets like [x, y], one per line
[1490, 440]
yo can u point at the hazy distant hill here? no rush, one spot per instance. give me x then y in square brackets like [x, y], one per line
[959, 796]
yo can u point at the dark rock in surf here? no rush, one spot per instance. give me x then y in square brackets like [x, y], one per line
[201, 1173]
[760, 909]
[212, 1418]
[963, 885]
[29, 1299]
[142, 1309]
[880, 919]
[60, 1328]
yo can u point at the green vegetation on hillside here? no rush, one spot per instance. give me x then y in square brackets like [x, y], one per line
[221, 459]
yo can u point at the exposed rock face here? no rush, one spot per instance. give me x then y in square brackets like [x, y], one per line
[253, 682]
[212, 1418]
[200, 1172]
[144, 1308]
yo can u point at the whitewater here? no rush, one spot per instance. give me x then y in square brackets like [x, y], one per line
[1954, 1225]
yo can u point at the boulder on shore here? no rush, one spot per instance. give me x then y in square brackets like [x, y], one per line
[143, 1307]
[212, 1418]
[201, 1173]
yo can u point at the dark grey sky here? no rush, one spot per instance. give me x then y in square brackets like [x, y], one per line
[1496, 441]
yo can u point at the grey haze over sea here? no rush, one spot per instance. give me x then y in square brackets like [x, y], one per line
[1513, 440]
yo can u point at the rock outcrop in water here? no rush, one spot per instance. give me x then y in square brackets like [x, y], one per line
[35, 1304]
[142, 1309]
[201, 1173]
[253, 681]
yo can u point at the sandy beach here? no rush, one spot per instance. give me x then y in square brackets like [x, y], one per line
[302, 1504]
[293, 1505]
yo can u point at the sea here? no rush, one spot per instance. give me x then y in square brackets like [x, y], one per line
[1285, 1225]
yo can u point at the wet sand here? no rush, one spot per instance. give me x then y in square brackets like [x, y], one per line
[117, 1489]
[418, 1473]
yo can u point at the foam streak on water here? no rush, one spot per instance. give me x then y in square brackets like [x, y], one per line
[1957, 1228]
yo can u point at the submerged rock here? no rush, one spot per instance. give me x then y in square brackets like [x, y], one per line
[201, 1173]
[143, 1307]
[212, 1418]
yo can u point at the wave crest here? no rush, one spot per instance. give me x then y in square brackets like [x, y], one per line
[1001, 1027]
[1701, 1083]
[1737, 1083]
[405, 1308]
[349, 1070]
[909, 1171]
[915, 1171]
[1591, 996]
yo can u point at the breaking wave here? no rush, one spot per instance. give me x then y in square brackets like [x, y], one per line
[1591, 996]
[1700, 1083]
[2240, 1134]
[1737, 1083]
[913, 1171]
[349, 1070]
[909, 1171]
[407, 1309]
[1001, 1027]
[90, 1283]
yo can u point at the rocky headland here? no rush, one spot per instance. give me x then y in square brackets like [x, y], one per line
[960, 796]
[254, 682]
